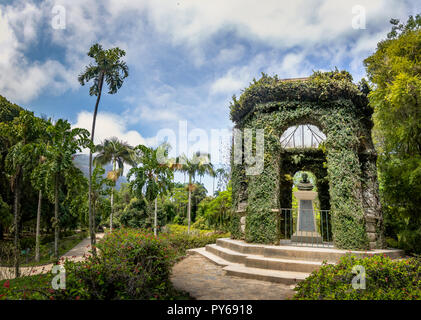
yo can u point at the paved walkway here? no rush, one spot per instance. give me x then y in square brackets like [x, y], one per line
[207, 281]
[78, 253]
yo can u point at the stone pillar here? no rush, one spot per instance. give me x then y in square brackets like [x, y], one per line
[306, 223]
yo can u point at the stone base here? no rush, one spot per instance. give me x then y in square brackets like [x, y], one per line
[307, 237]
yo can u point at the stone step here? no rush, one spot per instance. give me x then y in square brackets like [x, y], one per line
[210, 256]
[239, 246]
[226, 254]
[285, 277]
[282, 264]
[289, 252]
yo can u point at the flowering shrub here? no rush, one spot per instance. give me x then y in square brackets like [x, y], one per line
[27, 288]
[386, 279]
[130, 264]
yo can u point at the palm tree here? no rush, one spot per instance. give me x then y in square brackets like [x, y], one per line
[110, 68]
[117, 152]
[58, 165]
[198, 164]
[19, 136]
[152, 175]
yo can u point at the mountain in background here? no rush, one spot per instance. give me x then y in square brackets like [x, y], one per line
[82, 162]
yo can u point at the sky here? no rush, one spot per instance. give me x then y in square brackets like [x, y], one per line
[186, 58]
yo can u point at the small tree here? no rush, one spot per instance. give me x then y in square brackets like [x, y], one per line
[152, 177]
[198, 164]
[117, 152]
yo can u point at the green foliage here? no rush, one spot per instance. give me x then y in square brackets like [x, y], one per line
[386, 279]
[36, 287]
[8, 110]
[320, 88]
[136, 214]
[395, 71]
[215, 212]
[108, 65]
[181, 241]
[340, 110]
[131, 264]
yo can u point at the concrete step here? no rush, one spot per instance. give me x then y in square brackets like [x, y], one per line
[282, 264]
[226, 254]
[240, 246]
[290, 252]
[210, 256]
[285, 277]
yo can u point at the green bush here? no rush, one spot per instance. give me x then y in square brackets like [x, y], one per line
[131, 264]
[180, 241]
[386, 279]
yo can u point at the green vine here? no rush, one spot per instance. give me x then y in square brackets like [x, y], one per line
[337, 107]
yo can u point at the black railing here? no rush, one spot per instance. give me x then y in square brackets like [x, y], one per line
[312, 227]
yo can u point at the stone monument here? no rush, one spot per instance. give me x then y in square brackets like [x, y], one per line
[306, 223]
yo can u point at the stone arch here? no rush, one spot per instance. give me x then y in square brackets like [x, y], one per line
[346, 160]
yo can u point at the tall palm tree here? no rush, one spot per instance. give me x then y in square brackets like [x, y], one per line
[152, 175]
[58, 165]
[109, 67]
[199, 164]
[117, 152]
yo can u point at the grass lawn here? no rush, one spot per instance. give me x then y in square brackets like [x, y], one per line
[46, 251]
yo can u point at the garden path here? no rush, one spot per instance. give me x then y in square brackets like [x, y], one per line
[78, 253]
[204, 280]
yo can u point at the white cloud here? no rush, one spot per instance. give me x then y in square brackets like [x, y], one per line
[304, 27]
[110, 125]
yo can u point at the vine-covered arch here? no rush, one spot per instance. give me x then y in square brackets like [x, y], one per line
[345, 163]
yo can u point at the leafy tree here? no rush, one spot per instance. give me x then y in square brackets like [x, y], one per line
[395, 71]
[18, 137]
[215, 212]
[198, 164]
[109, 67]
[100, 186]
[154, 175]
[117, 152]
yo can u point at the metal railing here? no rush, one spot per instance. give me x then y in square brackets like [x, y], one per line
[309, 227]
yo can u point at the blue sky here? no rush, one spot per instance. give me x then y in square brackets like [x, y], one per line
[186, 57]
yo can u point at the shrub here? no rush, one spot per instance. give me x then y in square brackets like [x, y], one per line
[386, 279]
[131, 264]
[180, 241]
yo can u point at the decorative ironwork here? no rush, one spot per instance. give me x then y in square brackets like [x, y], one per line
[302, 136]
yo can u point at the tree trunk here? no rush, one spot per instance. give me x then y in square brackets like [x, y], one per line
[37, 233]
[91, 217]
[112, 205]
[189, 207]
[56, 228]
[16, 223]
[112, 201]
[155, 217]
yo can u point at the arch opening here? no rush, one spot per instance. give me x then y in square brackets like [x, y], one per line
[302, 136]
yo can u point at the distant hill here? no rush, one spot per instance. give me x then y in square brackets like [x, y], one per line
[82, 162]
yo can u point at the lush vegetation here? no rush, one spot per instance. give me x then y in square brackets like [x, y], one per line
[386, 279]
[340, 109]
[131, 264]
[395, 72]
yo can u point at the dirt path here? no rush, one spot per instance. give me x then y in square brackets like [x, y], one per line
[207, 281]
[76, 254]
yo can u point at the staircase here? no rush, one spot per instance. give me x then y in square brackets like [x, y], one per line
[281, 264]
